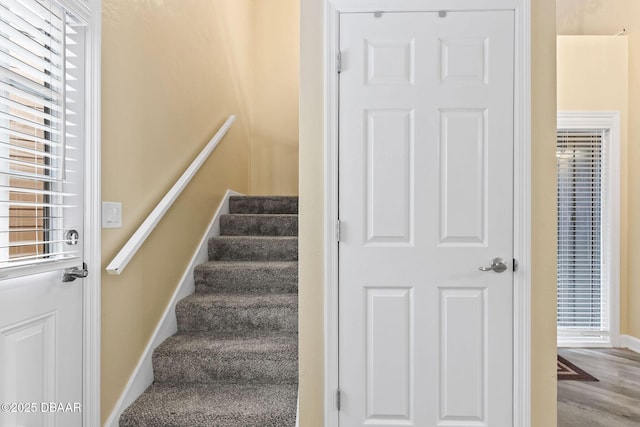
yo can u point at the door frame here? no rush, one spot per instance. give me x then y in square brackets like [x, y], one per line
[91, 13]
[522, 187]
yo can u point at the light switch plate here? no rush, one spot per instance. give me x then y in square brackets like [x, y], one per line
[111, 214]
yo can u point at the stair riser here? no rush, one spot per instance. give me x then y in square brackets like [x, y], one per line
[213, 405]
[254, 369]
[254, 280]
[263, 205]
[228, 319]
[249, 420]
[258, 225]
[267, 249]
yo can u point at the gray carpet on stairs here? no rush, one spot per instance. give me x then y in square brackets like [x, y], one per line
[267, 359]
[259, 225]
[234, 360]
[214, 405]
[233, 312]
[263, 205]
[247, 276]
[253, 248]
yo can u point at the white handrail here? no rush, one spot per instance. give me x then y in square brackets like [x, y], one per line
[131, 247]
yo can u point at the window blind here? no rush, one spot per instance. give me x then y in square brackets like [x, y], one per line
[35, 37]
[582, 289]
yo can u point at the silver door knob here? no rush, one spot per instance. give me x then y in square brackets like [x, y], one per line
[498, 265]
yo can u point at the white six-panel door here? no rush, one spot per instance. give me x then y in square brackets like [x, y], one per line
[426, 198]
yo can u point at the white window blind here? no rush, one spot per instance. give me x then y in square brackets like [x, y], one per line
[583, 291]
[36, 57]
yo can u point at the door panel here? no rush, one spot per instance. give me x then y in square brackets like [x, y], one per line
[388, 354]
[463, 192]
[389, 175]
[41, 317]
[463, 369]
[425, 199]
[41, 350]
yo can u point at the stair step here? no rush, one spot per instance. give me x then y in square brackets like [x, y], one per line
[247, 276]
[263, 204]
[259, 225]
[253, 248]
[237, 312]
[213, 405]
[205, 358]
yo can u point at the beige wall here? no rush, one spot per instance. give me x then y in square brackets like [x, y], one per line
[593, 75]
[543, 110]
[633, 189]
[311, 228]
[274, 129]
[596, 17]
[173, 71]
[543, 215]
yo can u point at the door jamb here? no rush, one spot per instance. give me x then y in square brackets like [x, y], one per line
[91, 369]
[522, 188]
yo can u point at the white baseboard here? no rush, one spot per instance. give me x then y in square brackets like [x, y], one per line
[142, 376]
[632, 343]
[586, 344]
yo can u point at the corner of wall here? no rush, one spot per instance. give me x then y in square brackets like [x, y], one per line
[274, 106]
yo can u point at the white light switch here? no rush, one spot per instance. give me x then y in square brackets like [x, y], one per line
[111, 214]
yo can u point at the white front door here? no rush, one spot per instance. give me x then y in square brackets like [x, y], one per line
[42, 137]
[426, 133]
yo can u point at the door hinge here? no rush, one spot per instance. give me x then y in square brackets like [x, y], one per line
[515, 264]
[339, 62]
[338, 231]
[338, 399]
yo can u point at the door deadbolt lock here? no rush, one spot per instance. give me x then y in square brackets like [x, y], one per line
[71, 237]
[498, 265]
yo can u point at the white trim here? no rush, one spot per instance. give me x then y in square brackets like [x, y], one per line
[589, 344]
[91, 371]
[522, 187]
[133, 244]
[522, 217]
[609, 120]
[331, 325]
[363, 6]
[142, 376]
[632, 343]
[82, 10]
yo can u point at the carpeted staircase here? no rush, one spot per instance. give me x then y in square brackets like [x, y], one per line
[234, 360]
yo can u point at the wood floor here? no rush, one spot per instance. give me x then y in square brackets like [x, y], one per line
[614, 401]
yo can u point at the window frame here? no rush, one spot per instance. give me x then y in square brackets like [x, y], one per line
[610, 122]
[55, 255]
